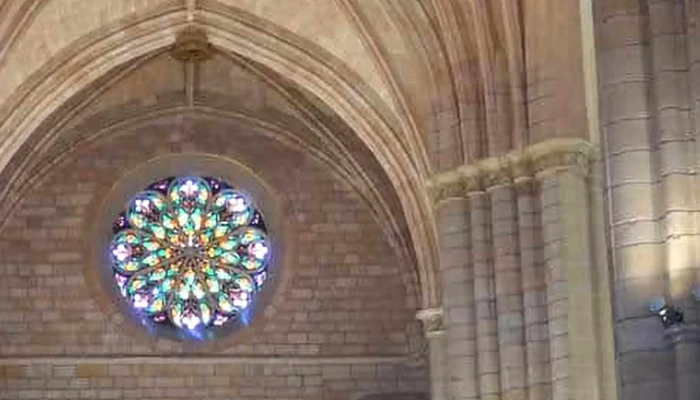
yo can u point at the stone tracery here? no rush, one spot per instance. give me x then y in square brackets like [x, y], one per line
[190, 251]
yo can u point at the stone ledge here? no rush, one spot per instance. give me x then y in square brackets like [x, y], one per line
[203, 360]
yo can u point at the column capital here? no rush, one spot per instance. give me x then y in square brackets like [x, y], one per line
[533, 162]
[433, 321]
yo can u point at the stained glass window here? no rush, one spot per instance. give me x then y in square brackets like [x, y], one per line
[189, 252]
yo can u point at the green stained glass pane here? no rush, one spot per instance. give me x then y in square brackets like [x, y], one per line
[175, 313]
[244, 283]
[135, 284]
[242, 218]
[214, 252]
[228, 244]
[157, 304]
[230, 258]
[205, 237]
[138, 221]
[151, 245]
[168, 222]
[251, 265]
[165, 253]
[167, 285]
[157, 275]
[209, 271]
[213, 285]
[151, 260]
[197, 219]
[130, 266]
[249, 236]
[183, 220]
[176, 240]
[224, 304]
[212, 220]
[184, 291]
[198, 290]
[159, 231]
[224, 275]
[189, 276]
[221, 230]
[205, 312]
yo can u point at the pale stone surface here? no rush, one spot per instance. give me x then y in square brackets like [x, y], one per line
[374, 97]
[645, 61]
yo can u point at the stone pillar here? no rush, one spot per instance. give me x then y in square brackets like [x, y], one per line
[523, 300]
[566, 220]
[534, 289]
[686, 345]
[484, 298]
[456, 277]
[432, 320]
[508, 289]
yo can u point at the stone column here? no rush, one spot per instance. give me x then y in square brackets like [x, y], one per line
[456, 277]
[484, 298]
[566, 224]
[534, 289]
[686, 344]
[523, 293]
[432, 320]
[508, 288]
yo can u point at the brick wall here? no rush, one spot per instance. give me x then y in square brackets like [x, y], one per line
[346, 294]
[183, 380]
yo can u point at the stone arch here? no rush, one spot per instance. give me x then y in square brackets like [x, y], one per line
[321, 74]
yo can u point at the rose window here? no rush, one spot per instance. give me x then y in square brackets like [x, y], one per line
[191, 252]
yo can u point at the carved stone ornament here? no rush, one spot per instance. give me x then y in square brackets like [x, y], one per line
[192, 44]
[453, 189]
[497, 172]
[578, 160]
[538, 160]
[432, 319]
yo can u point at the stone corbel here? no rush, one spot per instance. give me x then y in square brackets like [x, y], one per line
[192, 44]
[433, 322]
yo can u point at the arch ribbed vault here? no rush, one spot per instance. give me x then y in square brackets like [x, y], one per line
[425, 86]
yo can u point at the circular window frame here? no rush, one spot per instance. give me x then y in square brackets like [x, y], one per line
[262, 197]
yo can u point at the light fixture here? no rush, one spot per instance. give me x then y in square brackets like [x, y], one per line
[670, 315]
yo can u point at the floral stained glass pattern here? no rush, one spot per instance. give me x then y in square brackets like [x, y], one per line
[191, 252]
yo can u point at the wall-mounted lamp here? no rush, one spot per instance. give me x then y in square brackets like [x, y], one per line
[669, 314]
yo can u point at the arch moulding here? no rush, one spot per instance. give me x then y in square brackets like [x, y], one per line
[309, 67]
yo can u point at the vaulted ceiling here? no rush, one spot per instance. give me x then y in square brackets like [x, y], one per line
[385, 92]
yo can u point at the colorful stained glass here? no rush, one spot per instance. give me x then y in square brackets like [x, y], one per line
[190, 251]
